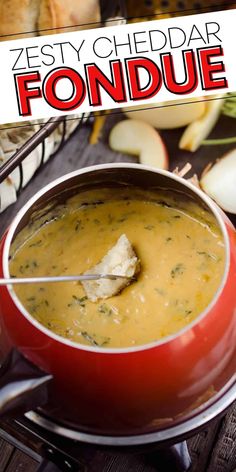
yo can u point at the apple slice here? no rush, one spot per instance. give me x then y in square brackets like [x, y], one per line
[220, 182]
[168, 115]
[197, 131]
[140, 139]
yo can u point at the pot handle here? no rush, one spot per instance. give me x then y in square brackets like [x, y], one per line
[23, 386]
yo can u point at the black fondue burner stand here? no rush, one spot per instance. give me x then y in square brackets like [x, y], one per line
[64, 450]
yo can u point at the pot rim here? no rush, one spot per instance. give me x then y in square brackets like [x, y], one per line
[92, 349]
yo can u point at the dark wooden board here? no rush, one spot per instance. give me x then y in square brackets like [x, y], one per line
[6, 453]
[13, 460]
[212, 450]
[20, 462]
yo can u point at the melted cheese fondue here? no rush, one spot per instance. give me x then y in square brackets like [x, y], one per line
[181, 253]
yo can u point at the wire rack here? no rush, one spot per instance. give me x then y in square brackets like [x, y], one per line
[165, 8]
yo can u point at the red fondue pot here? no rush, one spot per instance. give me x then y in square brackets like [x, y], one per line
[136, 390]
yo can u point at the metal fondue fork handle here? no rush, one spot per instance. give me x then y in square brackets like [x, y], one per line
[66, 278]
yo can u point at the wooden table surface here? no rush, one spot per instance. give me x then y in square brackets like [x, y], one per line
[212, 450]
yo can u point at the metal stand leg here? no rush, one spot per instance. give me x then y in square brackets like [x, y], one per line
[175, 458]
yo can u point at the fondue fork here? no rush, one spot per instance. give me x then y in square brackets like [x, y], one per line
[66, 278]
